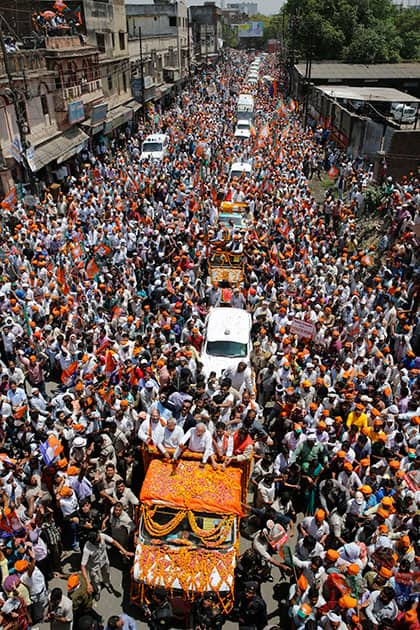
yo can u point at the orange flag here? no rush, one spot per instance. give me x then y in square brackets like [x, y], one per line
[68, 372]
[91, 269]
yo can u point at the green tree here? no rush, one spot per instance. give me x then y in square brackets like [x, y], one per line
[408, 27]
[230, 36]
[364, 31]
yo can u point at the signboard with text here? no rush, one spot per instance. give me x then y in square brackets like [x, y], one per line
[76, 112]
[302, 329]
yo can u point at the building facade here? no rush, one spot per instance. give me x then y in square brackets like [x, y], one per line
[249, 8]
[207, 31]
[159, 34]
[69, 73]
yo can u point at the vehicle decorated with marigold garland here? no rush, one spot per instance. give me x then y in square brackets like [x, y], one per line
[188, 535]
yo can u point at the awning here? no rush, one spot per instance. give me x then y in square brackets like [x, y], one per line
[134, 105]
[117, 117]
[163, 89]
[60, 148]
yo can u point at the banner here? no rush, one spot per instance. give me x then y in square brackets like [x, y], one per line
[302, 329]
[251, 29]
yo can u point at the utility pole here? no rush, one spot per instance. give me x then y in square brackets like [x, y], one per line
[143, 113]
[20, 113]
[188, 42]
[308, 76]
[178, 45]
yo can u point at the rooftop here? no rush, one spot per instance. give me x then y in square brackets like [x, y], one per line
[370, 94]
[347, 71]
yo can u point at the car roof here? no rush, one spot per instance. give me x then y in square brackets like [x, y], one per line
[156, 137]
[241, 166]
[245, 98]
[230, 324]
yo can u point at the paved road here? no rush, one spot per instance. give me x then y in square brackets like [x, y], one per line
[110, 604]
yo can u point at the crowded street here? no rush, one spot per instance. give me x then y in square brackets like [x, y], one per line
[216, 302]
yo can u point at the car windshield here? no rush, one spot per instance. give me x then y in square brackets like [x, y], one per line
[243, 125]
[235, 173]
[152, 147]
[182, 535]
[224, 348]
[235, 219]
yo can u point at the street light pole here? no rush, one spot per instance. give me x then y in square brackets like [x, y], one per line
[143, 113]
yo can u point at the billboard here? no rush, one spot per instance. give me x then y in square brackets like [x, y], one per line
[251, 29]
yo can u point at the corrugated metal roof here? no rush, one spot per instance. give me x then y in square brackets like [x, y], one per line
[372, 94]
[347, 71]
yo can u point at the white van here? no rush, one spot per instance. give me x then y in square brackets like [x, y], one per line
[243, 129]
[154, 147]
[240, 168]
[227, 339]
[245, 106]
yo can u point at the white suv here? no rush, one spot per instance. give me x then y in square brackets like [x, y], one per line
[154, 147]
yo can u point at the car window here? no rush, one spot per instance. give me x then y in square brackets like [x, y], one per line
[150, 147]
[225, 348]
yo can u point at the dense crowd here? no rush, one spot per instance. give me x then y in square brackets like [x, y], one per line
[103, 299]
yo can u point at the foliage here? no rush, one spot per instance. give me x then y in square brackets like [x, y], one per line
[230, 36]
[357, 31]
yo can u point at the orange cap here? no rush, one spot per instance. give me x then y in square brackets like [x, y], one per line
[347, 602]
[385, 573]
[21, 565]
[332, 555]
[353, 569]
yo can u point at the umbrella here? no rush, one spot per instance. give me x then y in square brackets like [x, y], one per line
[48, 15]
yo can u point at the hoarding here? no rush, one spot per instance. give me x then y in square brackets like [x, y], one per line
[251, 29]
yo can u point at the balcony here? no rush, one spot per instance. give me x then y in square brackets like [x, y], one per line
[24, 61]
[63, 42]
[87, 92]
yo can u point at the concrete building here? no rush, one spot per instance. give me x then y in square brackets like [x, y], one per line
[207, 31]
[106, 29]
[71, 75]
[160, 32]
[249, 8]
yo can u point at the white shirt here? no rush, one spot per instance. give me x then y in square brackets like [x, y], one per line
[69, 505]
[153, 430]
[35, 583]
[197, 443]
[171, 439]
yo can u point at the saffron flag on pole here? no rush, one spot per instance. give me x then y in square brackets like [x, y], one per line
[91, 269]
[50, 449]
[67, 373]
[10, 199]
